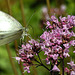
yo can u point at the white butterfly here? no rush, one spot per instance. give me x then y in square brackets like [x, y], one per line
[10, 28]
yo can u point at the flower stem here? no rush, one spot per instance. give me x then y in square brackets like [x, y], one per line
[51, 69]
[22, 12]
[48, 6]
[12, 63]
[39, 58]
[63, 66]
[41, 64]
[62, 63]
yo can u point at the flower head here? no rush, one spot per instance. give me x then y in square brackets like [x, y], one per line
[54, 42]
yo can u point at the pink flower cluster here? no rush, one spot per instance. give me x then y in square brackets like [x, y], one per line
[56, 39]
[27, 53]
[55, 42]
[71, 69]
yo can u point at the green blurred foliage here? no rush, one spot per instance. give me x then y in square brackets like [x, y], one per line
[30, 7]
[70, 7]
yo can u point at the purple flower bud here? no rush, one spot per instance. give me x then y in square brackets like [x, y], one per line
[66, 70]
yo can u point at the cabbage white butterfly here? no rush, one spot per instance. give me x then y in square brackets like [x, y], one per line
[10, 28]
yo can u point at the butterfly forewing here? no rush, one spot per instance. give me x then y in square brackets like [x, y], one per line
[10, 29]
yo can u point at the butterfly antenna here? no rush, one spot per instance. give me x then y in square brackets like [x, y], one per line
[26, 29]
[31, 17]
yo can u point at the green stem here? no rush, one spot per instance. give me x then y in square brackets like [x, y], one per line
[10, 58]
[41, 64]
[39, 58]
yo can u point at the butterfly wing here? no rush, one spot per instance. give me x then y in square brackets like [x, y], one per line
[8, 23]
[10, 28]
[4, 39]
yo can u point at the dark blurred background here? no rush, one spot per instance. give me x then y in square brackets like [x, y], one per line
[36, 7]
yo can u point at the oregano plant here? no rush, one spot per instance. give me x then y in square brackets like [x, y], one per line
[55, 43]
